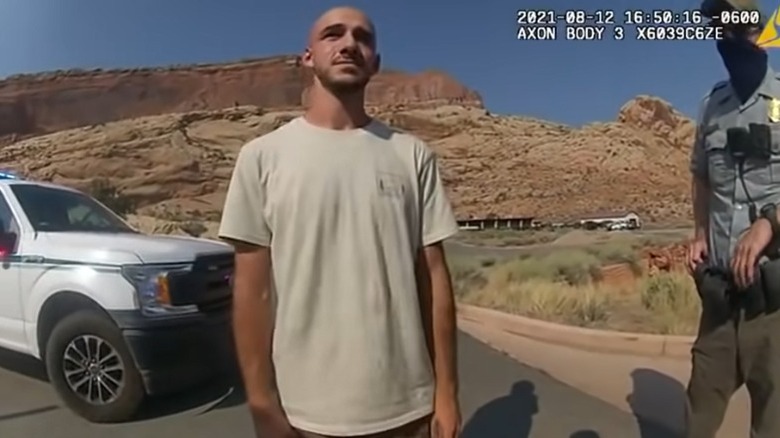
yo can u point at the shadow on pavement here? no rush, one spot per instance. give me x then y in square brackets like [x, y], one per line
[661, 395]
[219, 394]
[23, 364]
[585, 434]
[28, 413]
[224, 391]
[507, 416]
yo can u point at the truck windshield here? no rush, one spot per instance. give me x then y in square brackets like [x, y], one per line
[56, 210]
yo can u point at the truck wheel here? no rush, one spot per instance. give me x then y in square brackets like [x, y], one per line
[91, 368]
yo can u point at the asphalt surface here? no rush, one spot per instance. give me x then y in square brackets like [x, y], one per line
[456, 249]
[500, 399]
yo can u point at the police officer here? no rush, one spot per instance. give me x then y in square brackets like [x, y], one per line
[735, 164]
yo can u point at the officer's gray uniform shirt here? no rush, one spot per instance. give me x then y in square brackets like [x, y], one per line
[710, 160]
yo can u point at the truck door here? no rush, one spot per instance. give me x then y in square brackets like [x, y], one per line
[11, 318]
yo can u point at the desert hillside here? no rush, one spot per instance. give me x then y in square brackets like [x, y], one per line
[48, 102]
[178, 165]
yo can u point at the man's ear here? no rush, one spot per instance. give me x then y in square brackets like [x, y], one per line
[306, 58]
[377, 63]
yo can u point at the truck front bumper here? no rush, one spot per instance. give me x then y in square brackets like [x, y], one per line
[178, 352]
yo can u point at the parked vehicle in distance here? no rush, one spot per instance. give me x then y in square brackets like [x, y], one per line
[114, 314]
[617, 226]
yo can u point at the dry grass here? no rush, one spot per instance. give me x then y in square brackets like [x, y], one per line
[565, 287]
[673, 302]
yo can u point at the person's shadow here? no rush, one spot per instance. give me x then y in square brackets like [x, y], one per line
[657, 396]
[507, 416]
[585, 434]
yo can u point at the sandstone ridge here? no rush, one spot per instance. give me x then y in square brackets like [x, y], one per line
[177, 165]
[32, 104]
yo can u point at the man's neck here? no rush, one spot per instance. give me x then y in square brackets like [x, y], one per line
[339, 113]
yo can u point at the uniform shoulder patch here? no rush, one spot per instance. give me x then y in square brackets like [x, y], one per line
[707, 98]
[718, 86]
[715, 88]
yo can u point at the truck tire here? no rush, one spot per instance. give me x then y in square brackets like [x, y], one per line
[92, 370]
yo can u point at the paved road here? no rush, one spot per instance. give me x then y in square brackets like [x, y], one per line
[501, 399]
[456, 249]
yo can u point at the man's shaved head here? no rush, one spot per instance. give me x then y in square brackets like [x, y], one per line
[336, 15]
[341, 50]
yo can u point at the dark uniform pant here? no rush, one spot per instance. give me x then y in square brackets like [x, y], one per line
[728, 353]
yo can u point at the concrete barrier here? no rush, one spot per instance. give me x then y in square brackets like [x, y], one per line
[578, 337]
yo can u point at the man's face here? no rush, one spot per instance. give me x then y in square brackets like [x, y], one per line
[342, 50]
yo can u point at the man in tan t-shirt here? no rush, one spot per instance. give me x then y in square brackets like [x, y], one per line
[344, 315]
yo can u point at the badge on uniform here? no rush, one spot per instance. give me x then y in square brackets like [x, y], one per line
[774, 110]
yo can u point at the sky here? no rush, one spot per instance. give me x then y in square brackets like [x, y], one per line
[572, 82]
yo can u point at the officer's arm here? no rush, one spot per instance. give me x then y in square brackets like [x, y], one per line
[699, 179]
[699, 195]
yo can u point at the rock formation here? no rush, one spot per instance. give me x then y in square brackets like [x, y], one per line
[665, 258]
[168, 138]
[49, 102]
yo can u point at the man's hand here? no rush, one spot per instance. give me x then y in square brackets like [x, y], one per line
[446, 421]
[697, 253]
[253, 329]
[271, 422]
[748, 251]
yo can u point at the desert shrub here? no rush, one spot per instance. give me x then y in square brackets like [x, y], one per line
[193, 228]
[574, 267]
[107, 193]
[672, 299]
[570, 266]
[486, 263]
[616, 252]
[559, 286]
[466, 278]
[543, 299]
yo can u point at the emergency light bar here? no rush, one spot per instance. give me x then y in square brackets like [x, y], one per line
[7, 174]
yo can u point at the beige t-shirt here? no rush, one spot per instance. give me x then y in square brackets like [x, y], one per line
[345, 214]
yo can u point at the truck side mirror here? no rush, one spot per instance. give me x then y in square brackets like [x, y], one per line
[7, 243]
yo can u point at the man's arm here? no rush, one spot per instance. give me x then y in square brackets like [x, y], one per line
[699, 168]
[253, 325]
[438, 309]
[433, 277]
[699, 197]
[244, 226]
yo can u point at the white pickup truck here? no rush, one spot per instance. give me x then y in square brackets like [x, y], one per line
[114, 314]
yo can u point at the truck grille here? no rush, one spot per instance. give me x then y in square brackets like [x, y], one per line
[209, 285]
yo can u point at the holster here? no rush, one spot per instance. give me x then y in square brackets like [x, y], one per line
[769, 273]
[720, 297]
[714, 288]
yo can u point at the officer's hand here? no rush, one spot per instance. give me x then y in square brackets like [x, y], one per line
[748, 250]
[697, 253]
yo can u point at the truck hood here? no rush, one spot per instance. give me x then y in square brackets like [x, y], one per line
[116, 247]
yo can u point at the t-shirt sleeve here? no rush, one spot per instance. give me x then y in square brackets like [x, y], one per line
[438, 219]
[243, 215]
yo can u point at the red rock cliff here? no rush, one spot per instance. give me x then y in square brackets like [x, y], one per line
[48, 102]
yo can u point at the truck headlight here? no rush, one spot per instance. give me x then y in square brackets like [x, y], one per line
[152, 287]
